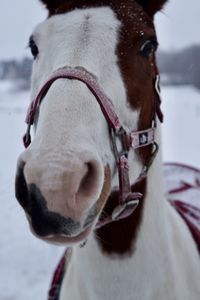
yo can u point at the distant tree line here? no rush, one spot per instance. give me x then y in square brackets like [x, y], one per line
[19, 71]
[176, 68]
[180, 67]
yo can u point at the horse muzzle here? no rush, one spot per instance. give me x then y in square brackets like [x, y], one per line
[60, 207]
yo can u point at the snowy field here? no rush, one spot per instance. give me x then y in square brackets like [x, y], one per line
[181, 128]
[26, 264]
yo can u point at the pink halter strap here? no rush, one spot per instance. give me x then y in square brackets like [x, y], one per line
[128, 200]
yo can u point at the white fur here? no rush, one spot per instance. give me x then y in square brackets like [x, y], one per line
[165, 264]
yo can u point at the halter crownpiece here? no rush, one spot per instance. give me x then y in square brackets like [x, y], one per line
[128, 200]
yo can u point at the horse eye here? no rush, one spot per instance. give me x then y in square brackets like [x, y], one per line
[148, 48]
[33, 47]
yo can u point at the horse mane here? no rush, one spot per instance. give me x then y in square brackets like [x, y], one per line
[150, 6]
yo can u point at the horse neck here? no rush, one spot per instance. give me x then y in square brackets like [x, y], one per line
[153, 269]
[122, 237]
[150, 238]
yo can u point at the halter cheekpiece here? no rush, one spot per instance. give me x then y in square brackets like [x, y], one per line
[128, 200]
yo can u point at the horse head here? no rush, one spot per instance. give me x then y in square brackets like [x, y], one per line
[66, 175]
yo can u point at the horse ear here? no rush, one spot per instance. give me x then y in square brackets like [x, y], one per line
[52, 5]
[152, 6]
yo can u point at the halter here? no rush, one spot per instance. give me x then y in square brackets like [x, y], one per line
[128, 200]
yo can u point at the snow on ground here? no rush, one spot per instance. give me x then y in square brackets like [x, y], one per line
[27, 264]
[181, 128]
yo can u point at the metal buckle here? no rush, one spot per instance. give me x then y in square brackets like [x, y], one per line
[121, 134]
[124, 210]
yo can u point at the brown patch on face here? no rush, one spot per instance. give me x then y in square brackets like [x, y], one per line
[138, 74]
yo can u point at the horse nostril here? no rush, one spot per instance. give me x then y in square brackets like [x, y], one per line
[87, 184]
[21, 189]
[46, 222]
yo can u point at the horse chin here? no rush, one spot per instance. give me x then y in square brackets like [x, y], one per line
[65, 240]
[61, 239]
[77, 237]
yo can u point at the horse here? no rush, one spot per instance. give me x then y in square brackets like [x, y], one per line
[93, 176]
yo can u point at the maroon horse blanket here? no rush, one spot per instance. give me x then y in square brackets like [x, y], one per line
[183, 192]
[182, 185]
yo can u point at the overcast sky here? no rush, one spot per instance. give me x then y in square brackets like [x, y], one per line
[178, 26]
